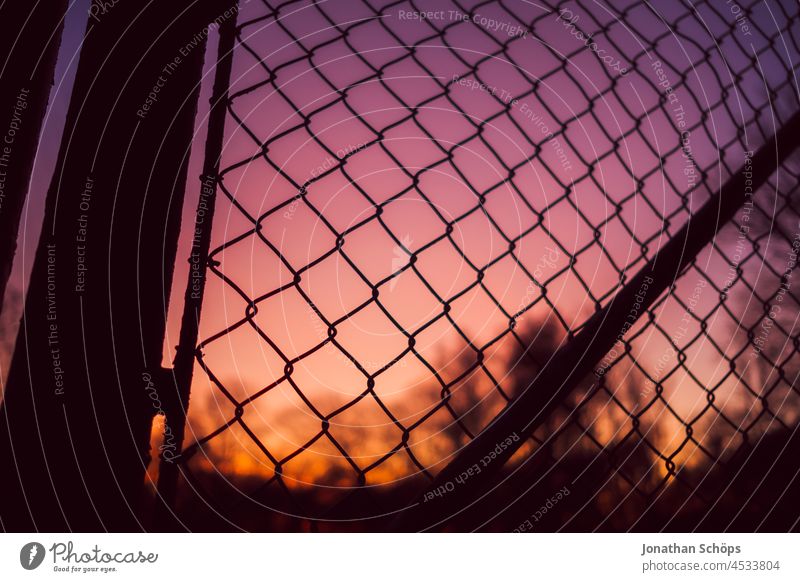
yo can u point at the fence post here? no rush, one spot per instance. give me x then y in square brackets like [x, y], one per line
[575, 360]
[30, 36]
[181, 377]
[75, 423]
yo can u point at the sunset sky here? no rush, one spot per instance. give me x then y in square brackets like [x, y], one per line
[469, 161]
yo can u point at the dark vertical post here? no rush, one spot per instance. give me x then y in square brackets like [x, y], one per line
[30, 36]
[195, 285]
[78, 410]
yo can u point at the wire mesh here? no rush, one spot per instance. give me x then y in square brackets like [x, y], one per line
[420, 202]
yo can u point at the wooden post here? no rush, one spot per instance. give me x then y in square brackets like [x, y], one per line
[30, 36]
[78, 410]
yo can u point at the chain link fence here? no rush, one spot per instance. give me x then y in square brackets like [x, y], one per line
[421, 202]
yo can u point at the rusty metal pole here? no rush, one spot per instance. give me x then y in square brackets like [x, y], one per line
[181, 373]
